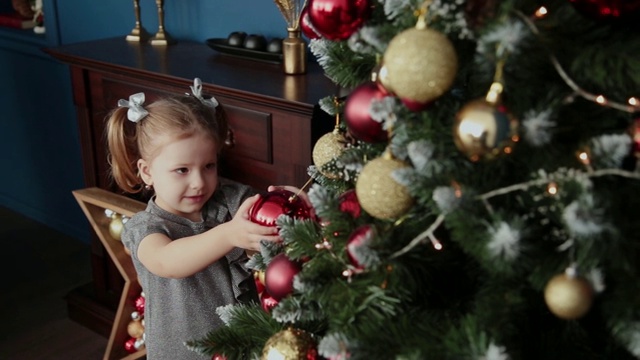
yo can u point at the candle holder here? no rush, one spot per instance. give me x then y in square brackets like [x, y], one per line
[161, 37]
[294, 53]
[138, 34]
[294, 48]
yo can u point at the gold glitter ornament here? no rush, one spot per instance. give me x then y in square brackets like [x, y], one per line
[135, 329]
[568, 296]
[290, 344]
[378, 193]
[328, 147]
[420, 64]
[115, 226]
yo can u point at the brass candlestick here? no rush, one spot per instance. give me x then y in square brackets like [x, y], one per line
[293, 47]
[138, 34]
[294, 51]
[161, 37]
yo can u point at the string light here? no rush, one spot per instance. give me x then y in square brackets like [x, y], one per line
[435, 242]
[541, 12]
[552, 188]
[584, 157]
[632, 106]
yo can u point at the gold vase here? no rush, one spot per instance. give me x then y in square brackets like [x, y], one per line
[294, 51]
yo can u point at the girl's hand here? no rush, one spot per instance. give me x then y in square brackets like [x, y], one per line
[244, 233]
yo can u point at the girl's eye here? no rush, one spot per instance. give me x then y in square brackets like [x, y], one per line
[211, 166]
[182, 170]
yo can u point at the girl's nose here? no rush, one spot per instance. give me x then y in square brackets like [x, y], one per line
[197, 181]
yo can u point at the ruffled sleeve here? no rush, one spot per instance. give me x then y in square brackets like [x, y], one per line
[227, 200]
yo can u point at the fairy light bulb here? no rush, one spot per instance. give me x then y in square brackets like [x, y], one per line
[552, 188]
[633, 101]
[541, 12]
[584, 157]
[601, 100]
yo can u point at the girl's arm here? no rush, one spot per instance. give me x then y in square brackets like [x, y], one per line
[186, 256]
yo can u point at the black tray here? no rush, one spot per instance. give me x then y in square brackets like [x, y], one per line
[222, 46]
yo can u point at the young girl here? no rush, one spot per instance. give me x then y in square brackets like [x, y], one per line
[187, 246]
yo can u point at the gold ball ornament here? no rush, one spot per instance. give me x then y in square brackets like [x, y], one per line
[378, 193]
[328, 147]
[135, 329]
[483, 130]
[568, 297]
[419, 65]
[290, 344]
[115, 226]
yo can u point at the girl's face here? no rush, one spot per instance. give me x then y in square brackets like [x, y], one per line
[184, 175]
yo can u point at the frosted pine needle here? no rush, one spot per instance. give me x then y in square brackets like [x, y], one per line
[582, 218]
[446, 199]
[537, 126]
[611, 149]
[504, 242]
[334, 346]
[495, 352]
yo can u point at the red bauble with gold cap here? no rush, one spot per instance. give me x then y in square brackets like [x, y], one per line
[357, 113]
[279, 276]
[278, 202]
[338, 19]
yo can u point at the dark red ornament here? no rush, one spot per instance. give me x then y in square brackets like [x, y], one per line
[607, 9]
[306, 26]
[357, 113]
[359, 237]
[268, 302]
[130, 345]
[415, 106]
[279, 276]
[139, 304]
[219, 357]
[278, 202]
[259, 286]
[338, 19]
[349, 203]
[634, 131]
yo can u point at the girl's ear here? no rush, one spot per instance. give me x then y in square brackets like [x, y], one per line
[143, 170]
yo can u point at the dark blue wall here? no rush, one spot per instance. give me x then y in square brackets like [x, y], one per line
[39, 145]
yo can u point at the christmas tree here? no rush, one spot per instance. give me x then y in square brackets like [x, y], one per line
[476, 198]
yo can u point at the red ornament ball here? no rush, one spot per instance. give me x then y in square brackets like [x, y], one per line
[357, 113]
[338, 19]
[267, 302]
[635, 136]
[259, 285]
[279, 276]
[607, 9]
[219, 357]
[415, 106]
[349, 203]
[306, 26]
[139, 304]
[130, 345]
[359, 237]
[278, 202]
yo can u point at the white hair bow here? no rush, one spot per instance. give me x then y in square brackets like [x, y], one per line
[196, 90]
[136, 112]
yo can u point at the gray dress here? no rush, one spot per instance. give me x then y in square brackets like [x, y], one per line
[178, 310]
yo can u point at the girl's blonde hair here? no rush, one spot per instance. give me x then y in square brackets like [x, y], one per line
[178, 117]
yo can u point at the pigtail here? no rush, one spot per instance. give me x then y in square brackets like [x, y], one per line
[123, 153]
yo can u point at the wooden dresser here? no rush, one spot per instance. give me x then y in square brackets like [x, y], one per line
[274, 117]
